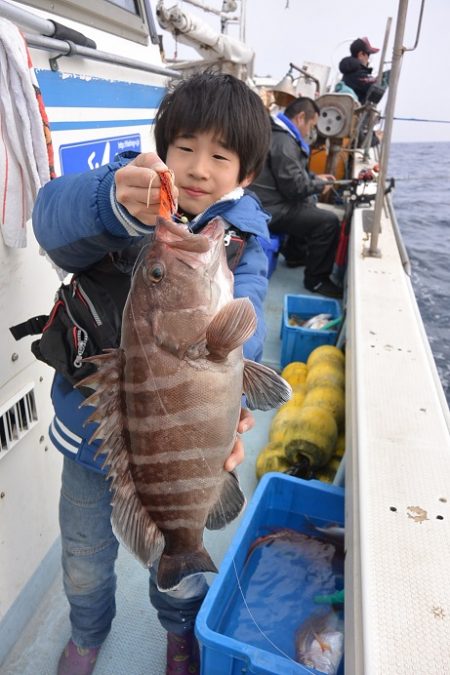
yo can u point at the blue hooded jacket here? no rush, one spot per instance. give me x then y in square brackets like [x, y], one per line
[77, 221]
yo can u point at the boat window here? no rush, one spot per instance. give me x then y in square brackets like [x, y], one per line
[129, 19]
[129, 5]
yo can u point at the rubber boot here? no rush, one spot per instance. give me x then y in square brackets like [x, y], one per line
[77, 660]
[183, 656]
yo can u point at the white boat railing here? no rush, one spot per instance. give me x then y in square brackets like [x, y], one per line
[43, 39]
[68, 48]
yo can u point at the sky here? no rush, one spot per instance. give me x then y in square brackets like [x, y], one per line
[320, 31]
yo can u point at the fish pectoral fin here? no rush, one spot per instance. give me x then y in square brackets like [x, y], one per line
[173, 568]
[263, 387]
[231, 327]
[229, 505]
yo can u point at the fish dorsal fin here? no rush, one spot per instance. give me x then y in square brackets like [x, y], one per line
[131, 522]
[231, 327]
[263, 387]
[229, 505]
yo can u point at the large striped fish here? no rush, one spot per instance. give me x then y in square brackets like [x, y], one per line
[168, 400]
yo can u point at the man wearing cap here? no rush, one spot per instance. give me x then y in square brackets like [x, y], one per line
[355, 69]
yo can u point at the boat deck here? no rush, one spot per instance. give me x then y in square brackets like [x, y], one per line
[136, 644]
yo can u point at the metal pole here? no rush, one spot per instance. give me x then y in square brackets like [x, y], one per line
[243, 21]
[67, 48]
[384, 49]
[26, 19]
[397, 55]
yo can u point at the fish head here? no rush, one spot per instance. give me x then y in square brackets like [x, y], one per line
[319, 642]
[182, 280]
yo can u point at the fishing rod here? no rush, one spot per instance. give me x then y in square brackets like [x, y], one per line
[418, 119]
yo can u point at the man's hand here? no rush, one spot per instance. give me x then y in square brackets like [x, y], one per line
[328, 177]
[132, 183]
[246, 422]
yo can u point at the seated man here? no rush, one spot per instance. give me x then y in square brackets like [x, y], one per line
[355, 69]
[287, 191]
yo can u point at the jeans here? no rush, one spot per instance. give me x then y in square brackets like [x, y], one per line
[89, 552]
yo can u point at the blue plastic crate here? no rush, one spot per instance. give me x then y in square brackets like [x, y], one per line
[297, 342]
[279, 501]
[271, 249]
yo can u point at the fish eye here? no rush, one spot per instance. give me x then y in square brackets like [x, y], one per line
[155, 273]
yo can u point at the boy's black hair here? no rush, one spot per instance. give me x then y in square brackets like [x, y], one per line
[302, 104]
[222, 104]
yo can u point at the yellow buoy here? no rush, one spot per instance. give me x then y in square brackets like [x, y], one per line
[271, 458]
[340, 445]
[328, 353]
[295, 373]
[312, 435]
[296, 400]
[283, 420]
[329, 471]
[325, 374]
[330, 398]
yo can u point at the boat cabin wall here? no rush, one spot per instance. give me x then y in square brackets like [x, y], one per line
[95, 110]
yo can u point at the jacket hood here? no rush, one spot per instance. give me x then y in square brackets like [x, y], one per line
[350, 64]
[279, 127]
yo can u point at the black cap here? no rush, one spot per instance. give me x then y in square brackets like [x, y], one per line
[362, 45]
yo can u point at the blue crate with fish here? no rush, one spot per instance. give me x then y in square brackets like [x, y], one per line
[297, 341]
[276, 606]
[271, 249]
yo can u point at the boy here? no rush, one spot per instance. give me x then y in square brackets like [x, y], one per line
[214, 133]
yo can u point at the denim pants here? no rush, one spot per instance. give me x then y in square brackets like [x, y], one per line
[89, 552]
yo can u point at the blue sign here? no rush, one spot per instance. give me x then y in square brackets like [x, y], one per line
[77, 157]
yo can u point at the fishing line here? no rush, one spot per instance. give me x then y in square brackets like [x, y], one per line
[264, 635]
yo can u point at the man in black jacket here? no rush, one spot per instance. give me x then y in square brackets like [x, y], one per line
[288, 190]
[355, 69]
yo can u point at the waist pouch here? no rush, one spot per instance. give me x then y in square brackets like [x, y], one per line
[85, 319]
[83, 322]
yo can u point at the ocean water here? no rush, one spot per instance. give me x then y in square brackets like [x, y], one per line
[422, 205]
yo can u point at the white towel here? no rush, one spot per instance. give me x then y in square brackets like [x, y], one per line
[24, 166]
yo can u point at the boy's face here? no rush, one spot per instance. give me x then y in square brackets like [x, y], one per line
[204, 170]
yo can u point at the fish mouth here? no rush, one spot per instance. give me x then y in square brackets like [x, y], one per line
[190, 248]
[178, 236]
[214, 230]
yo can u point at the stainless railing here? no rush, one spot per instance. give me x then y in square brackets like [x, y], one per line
[43, 39]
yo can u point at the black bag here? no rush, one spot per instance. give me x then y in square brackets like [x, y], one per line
[86, 318]
[83, 322]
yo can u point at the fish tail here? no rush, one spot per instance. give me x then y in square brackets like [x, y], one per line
[173, 568]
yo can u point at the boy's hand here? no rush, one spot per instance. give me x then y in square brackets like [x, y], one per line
[132, 187]
[246, 422]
